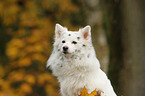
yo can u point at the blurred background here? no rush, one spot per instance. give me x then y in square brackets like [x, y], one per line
[26, 38]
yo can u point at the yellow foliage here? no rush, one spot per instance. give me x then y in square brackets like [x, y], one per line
[38, 57]
[30, 25]
[85, 93]
[29, 49]
[13, 48]
[32, 40]
[51, 91]
[26, 88]
[30, 79]
[43, 78]
[16, 76]
[28, 19]
[24, 61]
[1, 71]
[66, 5]
[8, 10]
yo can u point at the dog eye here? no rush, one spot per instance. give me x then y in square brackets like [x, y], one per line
[74, 42]
[63, 41]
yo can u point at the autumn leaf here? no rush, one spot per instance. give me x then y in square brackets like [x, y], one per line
[93, 93]
[84, 92]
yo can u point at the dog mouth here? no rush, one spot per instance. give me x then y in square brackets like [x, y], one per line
[65, 52]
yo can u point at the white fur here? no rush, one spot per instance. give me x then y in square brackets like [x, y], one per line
[80, 67]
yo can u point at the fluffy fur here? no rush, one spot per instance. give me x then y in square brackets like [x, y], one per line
[73, 61]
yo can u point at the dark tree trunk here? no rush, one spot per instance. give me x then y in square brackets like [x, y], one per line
[113, 28]
[124, 22]
[132, 76]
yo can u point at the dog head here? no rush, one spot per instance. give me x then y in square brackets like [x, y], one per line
[72, 42]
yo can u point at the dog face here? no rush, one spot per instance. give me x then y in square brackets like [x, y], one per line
[71, 42]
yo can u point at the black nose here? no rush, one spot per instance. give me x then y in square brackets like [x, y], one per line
[65, 48]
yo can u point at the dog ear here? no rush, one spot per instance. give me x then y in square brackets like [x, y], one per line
[86, 31]
[58, 30]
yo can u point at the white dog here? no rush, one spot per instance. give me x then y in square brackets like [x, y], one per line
[73, 61]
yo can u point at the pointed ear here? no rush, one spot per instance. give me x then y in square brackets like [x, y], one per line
[58, 30]
[86, 31]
